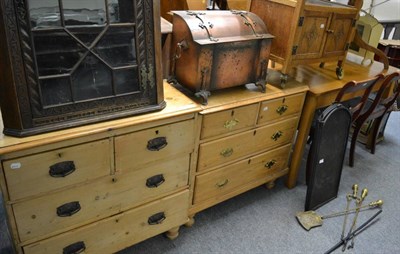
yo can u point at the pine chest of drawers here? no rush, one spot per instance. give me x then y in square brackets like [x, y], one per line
[104, 187]
[245, 140]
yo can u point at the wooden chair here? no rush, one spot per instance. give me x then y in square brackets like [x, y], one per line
[378, 106]
[355, 87]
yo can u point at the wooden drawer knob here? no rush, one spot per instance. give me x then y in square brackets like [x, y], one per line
[75, 248]
[62, 169]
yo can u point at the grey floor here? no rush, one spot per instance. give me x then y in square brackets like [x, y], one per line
[263, 221]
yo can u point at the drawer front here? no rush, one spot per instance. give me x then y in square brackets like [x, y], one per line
[233, 147]
[142, 147]
[62, 210]
[229, 120]
[120, 231]
[48, 171]
[278, 108]
[220, 182]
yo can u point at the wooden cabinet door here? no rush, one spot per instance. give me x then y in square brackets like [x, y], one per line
[339, 34]
[310, 35]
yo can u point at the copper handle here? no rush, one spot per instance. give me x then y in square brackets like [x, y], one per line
[227, 152]
[277, 135]
[231, 123]
[270, 164]
[222, 184]
[282, 109]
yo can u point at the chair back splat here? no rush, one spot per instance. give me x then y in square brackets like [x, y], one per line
[353, 87]
[374, 109]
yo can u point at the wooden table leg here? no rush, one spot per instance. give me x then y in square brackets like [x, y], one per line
[306, 119]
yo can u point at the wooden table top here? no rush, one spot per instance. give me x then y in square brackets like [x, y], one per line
[324, 80]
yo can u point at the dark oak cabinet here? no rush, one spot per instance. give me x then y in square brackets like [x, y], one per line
[68, 63]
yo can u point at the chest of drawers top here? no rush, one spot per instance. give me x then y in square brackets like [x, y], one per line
[178, 106]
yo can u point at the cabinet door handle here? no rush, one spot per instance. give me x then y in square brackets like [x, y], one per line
[62, 169]
[226, 152]
[157, 218]
[155, 181]
[330, 31]
[68, 209]
[222, 183]
[231, 123]
[282, 109]
[75, 248]
[157, 144]
[270, 164]
[277, 135]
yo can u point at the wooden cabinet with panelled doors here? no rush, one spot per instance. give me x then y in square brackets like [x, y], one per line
[308, 31]
[103, 187]
[245, 140]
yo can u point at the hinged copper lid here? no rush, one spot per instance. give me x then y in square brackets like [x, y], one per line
[209, 27]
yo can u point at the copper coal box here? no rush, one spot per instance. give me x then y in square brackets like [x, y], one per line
[219, 49]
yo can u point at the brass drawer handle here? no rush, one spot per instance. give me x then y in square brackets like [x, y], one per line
[75, 248]
[157, 218]
[62, 169]
[270, 164]
[222, 184]
[277, 135]
[157, 144]
[281, 109]
[231, 123]
[227, 152]
[68, 209]
[155, 181]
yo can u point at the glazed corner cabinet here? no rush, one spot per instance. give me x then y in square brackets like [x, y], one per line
[103, 187]
[308, 31]
[67, 63]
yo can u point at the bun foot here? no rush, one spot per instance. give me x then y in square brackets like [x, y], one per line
[190, 222]
[270, 185]
[173, 233]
